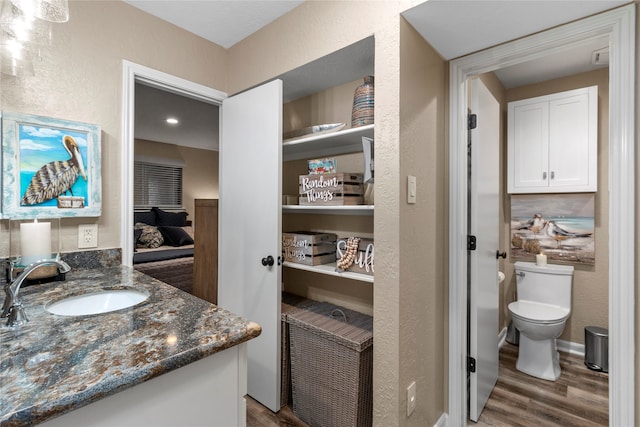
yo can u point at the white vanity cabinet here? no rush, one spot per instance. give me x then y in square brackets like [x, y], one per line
[552, 143]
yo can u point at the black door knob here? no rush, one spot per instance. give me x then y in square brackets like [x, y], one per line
[502, 255]
[268, 261]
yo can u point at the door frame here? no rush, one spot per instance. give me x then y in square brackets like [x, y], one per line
[132, 73]
[619, 25]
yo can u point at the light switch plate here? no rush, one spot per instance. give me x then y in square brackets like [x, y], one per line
[411, 189]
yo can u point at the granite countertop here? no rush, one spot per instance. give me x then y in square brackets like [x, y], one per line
[55, 364]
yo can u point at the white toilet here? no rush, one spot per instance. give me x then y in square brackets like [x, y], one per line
[540, 313]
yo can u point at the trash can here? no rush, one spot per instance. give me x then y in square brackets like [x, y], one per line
[596, 348]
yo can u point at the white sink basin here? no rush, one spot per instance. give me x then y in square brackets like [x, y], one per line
[97, 302]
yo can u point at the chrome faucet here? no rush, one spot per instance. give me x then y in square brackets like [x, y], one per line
[12, 308]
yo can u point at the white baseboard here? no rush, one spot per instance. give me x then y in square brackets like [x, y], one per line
[570, 347]
[564, 346]
[443, 421]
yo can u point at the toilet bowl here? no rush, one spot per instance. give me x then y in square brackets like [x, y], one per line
[540, 314]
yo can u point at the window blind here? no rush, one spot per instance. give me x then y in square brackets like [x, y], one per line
[157, 185]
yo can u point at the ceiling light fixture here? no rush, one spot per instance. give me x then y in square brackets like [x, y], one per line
[172, 121]
[47, 10]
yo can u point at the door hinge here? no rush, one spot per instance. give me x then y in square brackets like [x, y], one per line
[471, 243]
[471, 364]
[472, 121]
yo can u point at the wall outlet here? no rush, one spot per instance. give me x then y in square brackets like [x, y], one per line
[411, 398]
[87, 236]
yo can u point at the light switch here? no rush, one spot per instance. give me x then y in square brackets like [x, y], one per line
[411, 189]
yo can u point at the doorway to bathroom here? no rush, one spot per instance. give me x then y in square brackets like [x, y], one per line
[618, 26]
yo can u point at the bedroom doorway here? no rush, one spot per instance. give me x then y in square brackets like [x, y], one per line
[149, 97]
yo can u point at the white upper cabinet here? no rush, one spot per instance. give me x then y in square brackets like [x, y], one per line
[552, 143]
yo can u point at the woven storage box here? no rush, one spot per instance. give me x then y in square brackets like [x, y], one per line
[331, 366]
[290, 304]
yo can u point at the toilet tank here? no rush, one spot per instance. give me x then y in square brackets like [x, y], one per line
[548, 284]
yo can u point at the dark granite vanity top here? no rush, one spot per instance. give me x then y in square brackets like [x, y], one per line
[55, 364]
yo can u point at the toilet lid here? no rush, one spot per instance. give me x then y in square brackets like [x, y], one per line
[538, 312]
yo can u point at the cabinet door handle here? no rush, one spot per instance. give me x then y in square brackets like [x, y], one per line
[544, 175]
[268, 261]
[553, 174]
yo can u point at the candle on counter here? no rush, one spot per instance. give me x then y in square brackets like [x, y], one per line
[541, 259]
[35, 241]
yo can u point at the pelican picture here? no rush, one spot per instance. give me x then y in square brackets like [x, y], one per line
[50, 164]
[559, 225]
[52, 167]
[57, 177]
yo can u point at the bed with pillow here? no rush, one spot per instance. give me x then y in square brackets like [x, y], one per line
[163, 243]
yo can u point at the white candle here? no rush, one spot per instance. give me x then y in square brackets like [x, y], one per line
[35, 241]
[541, 259]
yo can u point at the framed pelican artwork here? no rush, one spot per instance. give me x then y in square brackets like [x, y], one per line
[558, 226]
[51, 167]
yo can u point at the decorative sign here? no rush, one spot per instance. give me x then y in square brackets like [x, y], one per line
[331, 189]
[309, 248]
[294, 249]
[319, 189]
[362, 253]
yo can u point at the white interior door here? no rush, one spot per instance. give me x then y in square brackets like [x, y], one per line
[483, 263]
[250, 227]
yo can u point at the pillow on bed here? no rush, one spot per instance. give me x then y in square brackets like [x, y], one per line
[137, 232]
[175, 236]
[150, 237]
[148, 218]
[170, 219]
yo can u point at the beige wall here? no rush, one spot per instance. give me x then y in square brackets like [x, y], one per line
[199, 175]
[80, 78]
[422, 250]
[590, 302]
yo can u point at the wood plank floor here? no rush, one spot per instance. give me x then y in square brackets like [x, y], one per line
[259, 416]
[579, 398]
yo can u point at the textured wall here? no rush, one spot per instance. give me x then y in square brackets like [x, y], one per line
[80, 78]
[422, 255]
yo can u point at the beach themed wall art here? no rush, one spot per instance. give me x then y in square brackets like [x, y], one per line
[560, 226]
[51, 167]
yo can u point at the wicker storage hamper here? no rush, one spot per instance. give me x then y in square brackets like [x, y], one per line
[290, 304]
[332, 366]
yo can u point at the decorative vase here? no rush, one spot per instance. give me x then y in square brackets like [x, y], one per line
[362, 112]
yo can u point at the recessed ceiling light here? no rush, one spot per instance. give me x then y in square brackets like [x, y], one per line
[172, 121]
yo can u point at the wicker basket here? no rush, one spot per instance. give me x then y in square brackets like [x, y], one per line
[290, 304]
[332, 366]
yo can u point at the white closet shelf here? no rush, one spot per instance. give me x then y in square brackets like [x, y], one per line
[330, 144]
[365, 210]
[329, 269]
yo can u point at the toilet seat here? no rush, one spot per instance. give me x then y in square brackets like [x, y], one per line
[536, 312]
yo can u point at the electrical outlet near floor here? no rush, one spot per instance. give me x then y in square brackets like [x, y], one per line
[87, 236]
[411, 398]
